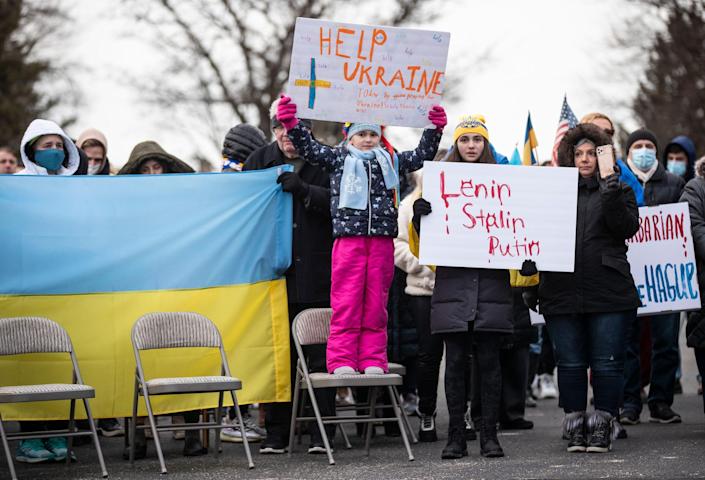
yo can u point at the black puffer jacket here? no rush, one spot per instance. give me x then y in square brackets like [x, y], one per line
[380, 216]
[463, 295]
[308, 277]
[602, 280]
[663, 187]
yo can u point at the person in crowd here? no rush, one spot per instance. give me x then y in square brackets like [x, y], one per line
[149, 158]
[544, 386]
[514, 364]
[308, 277]
[587, 311]
[364, 181]
[8, 161]
[95, 147]
[472, 308]
[625, 174]
[660, 187]
[45, 149]
[694, 195]
[679, 157]
[238, 144]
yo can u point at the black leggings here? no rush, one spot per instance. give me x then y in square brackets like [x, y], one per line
[485, 347]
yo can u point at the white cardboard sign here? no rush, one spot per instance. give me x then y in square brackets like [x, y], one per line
[346, 72]
[662, 260]
[497, 216]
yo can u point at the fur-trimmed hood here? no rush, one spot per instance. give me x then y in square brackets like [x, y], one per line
[700, 167]
[150, 150]
[583, 130]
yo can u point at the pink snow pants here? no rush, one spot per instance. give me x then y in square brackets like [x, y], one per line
[362, 271]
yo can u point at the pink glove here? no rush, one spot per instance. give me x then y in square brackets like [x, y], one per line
[437, 115]
[286, 112]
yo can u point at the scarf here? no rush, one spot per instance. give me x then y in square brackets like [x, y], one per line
[641, 175]
[354, 184]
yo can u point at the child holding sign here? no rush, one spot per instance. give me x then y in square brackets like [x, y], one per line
[473, 309]
[364, 181]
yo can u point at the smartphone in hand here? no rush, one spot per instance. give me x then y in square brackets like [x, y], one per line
[605, 160]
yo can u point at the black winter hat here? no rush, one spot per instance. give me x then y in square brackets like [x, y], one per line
[241, 141]
[641, 134]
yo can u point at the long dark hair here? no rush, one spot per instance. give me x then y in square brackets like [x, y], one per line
[485, 157]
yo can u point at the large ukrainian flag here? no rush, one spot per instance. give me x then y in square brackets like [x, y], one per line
[95, 253]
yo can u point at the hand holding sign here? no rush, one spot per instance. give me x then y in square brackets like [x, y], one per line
[286, 112]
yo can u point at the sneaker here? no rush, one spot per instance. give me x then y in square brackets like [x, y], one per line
[344, 371]
[110, 427]
[374, 371]
[600, 431]
[530, 402]
[58, 447]
[470, 433]
[427, 427]
[33, 451]
[629, 417]
[316, 448]
[344, 397]
[232, 434]
[574, 428]
[662, 413]
[272, 446]
[618, 432]
[410, 403]
[535, 388]
[547, 387]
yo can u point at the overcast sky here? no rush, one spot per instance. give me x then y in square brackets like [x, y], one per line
[540, 50]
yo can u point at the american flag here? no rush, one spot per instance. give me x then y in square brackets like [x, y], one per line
[567, 121]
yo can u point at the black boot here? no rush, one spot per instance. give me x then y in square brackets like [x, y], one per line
[489, 444]
[575, 431]
[600, 432]
[192, 444]
[457, 446]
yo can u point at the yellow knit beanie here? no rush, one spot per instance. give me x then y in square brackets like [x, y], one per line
[471, 124]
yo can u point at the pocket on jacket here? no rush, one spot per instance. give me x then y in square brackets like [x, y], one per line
[617, 263]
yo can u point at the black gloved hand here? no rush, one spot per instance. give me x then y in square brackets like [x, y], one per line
[528, 268]
[421, 207]
[293, 184]
[531, 298]
[611, 183]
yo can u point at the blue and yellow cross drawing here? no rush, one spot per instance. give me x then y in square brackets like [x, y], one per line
[312, 84]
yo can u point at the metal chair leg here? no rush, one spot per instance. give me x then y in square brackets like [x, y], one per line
[6, 447]
[72, 428]
[370, 425]
[245, 443]
[345, 436]
[397, 413]
[319, 421]
[94, 434]
[294, 412]
[405, 417]
[155, 433]
[133, 424]
[218, 419]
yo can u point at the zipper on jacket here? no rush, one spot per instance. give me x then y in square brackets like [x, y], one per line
[369, 199]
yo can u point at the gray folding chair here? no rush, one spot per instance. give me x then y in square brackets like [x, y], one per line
[22, 335]
[163, 330]
[312, 327]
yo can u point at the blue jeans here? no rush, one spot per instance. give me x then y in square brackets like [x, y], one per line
[595, 341]
[664, 361]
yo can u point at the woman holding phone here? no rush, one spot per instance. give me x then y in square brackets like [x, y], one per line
[587, 310]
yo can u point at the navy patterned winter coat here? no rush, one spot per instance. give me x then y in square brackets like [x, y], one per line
[380, 216]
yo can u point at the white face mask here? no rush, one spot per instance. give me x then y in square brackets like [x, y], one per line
[94, 169]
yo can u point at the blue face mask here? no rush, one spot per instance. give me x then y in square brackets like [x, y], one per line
[644, 158]
[51, 159]
[676, 168]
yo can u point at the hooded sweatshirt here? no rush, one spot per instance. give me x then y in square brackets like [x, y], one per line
[41, 127]
[689, 147]
[150, 150]
[93, 134]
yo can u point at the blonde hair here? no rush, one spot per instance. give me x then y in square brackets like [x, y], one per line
[590, 117]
